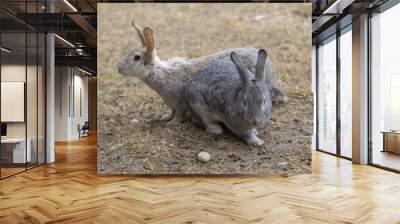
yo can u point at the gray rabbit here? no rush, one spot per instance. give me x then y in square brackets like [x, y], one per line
[226, 92]
[169, 78]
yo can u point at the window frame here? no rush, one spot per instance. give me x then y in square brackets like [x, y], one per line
[381, 9]
[334, 37]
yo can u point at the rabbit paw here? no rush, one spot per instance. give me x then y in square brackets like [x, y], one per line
[168, 117]
[174, 121]
[215, 129]
[254, 140]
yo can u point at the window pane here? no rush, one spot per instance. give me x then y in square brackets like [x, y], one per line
[346, 94]
[386, 88]
[14, 151]
[327, 96]
[31, 97]
[31, 88]
[41, 98]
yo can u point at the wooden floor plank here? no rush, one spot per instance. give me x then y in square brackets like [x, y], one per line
[70, 191]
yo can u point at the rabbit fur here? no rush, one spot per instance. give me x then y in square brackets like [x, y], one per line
[226, 92]
[169, 78]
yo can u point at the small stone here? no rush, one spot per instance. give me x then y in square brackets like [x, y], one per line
[133, 121]
[204, 156]
[283, 164]
[172, 162]
[258, 17]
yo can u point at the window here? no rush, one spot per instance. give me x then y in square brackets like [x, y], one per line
[385, 89]
[327, 96]
[22, 76]
[346, 92]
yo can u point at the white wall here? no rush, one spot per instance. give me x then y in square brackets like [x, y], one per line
[34, 125]
[17, 73]
[80, 118]
[70, 83]
[14, 72]
[62, 81]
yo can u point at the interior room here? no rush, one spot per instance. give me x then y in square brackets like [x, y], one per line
[48, 150]
[335, 76]
[22, 100]
[47, 83]
[71, 100]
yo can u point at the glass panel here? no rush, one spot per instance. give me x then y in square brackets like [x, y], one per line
[386, 89]
[41, 99]
[31, 97]
[13, 86]
[327, 96]
[346, 94]
[23, 90]
[31, 87]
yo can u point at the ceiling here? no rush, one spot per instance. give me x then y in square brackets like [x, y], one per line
[76, 22]
[332, 15]
[73, 21]
[16, 42]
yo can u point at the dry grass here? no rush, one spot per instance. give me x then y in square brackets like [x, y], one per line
[133, 140]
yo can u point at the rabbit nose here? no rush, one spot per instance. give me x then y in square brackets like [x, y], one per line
[256, 121]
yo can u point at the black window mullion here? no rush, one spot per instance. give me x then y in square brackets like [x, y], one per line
[338, 74]
[37, 91]
[45, 95]
[317, 97]
[26, 87]
[369, 90]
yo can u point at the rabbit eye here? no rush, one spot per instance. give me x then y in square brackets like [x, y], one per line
[136, 58]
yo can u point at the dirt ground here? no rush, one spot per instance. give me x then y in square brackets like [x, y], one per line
[132, 138]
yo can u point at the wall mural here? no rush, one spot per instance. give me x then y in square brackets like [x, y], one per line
[204, 89]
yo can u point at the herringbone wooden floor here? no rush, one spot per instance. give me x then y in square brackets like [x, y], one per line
[69, 191]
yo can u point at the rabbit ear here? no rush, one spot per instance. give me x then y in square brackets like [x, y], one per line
[149, 38]
[260, 66]
[150, 43]
[243, 71]
[139, 30]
